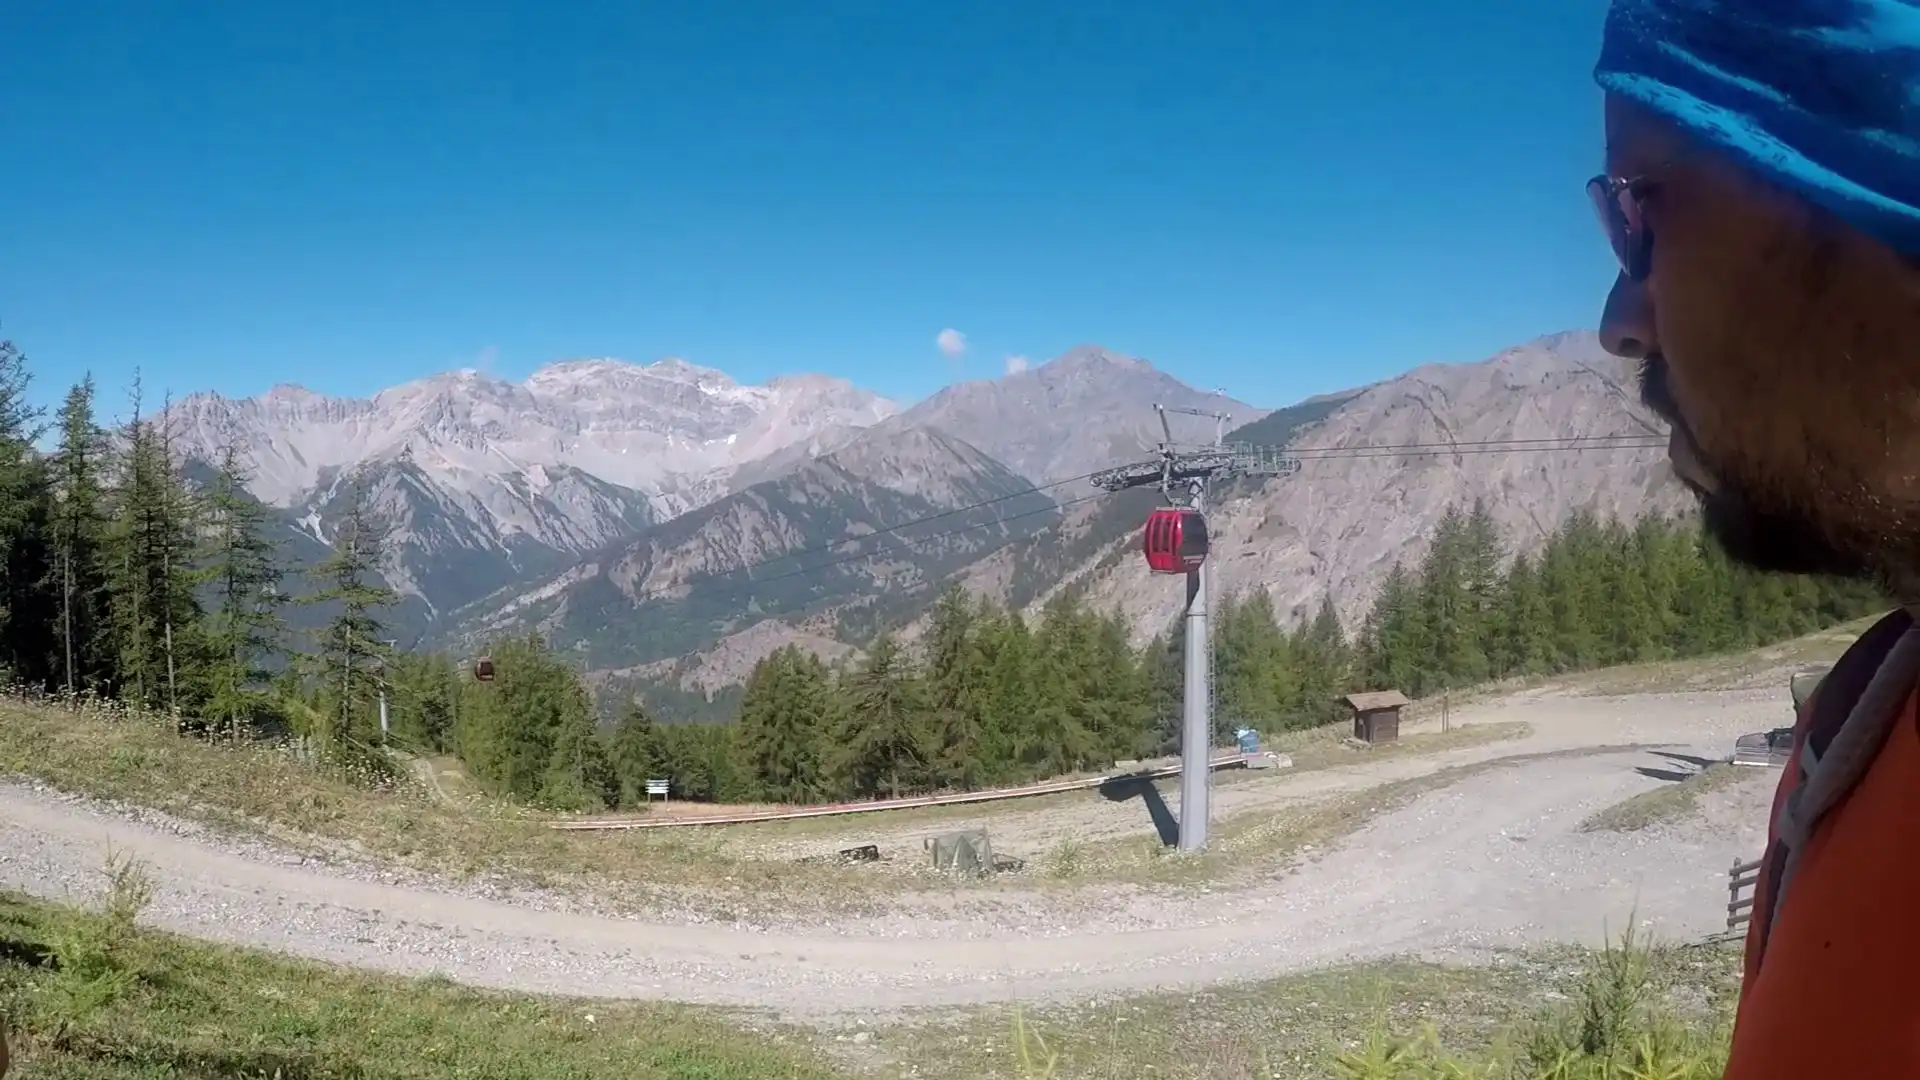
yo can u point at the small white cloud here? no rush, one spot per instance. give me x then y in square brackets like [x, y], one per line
[1016, 364]
[951, 341]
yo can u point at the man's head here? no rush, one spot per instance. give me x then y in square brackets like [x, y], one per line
[1779, 329]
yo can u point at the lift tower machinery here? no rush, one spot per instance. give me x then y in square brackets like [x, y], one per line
[1175, 541]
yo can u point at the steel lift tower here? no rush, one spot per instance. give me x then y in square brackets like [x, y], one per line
[1175, 542]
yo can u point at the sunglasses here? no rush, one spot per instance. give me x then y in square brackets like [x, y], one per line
[1623, 218]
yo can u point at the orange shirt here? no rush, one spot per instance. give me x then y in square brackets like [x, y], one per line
[1836, 992]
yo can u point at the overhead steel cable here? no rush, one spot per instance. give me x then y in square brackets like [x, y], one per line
[858, 555]
[1563, 444]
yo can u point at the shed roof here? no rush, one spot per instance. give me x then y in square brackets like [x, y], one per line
[1375, 700]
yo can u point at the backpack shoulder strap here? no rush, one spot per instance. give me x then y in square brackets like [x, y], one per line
[1832, 701]
[1819, 720]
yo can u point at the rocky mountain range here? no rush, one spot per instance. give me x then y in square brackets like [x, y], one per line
[1337, 526]
[490, 485]
[671, 526]
[486, 482]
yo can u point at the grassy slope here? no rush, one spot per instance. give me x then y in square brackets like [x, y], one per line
[183, 1017]
[89, 999]
[1672, 801]
[1767, 668]
[135, 761]
[107, 754]
[1389, 1021]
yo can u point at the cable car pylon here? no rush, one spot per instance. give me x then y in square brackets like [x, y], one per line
[1175, 541]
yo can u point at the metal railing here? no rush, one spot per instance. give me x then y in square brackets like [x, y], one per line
[794, 813]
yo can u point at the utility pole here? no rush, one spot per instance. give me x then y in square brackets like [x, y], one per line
[1183, 474]
[391, 644]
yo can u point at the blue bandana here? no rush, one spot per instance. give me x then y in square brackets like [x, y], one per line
[1820, 96]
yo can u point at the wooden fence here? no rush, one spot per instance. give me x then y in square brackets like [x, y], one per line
[1740, 880]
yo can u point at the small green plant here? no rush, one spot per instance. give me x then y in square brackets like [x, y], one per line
[1067, 859]
[1030, 1052]
[1620, 1026]
[92, 963]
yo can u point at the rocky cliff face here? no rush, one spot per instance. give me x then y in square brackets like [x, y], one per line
[1337, 526]
[832, 534]
[666, 522]
[487, 482]
[1088, 409]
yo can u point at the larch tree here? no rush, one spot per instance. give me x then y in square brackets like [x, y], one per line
[245, 627]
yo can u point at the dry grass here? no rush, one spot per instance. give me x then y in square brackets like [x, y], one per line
[1312, 750]
[1329, 747]
[1764, 668]
[1671, 801]
[429, 822]
[106, 753]
[89, 997]
[1392, 1021]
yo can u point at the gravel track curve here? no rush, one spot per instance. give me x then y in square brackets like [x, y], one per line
[1492, 860]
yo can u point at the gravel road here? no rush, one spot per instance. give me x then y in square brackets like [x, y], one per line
[1491, 861]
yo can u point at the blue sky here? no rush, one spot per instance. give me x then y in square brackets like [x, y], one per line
[1281, 199]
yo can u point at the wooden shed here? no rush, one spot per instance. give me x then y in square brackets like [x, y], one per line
[1376, 715]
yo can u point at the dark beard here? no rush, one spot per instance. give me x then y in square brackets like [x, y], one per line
[1754, 531]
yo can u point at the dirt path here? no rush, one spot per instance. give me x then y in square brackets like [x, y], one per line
[1495, 859]
[1027, 830]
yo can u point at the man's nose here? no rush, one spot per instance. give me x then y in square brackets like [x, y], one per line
[1626, 323]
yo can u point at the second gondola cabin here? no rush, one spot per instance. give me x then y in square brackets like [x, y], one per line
[483, 669]
[1175, 540]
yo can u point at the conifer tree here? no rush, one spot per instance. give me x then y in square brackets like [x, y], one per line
[1008, 726]
[578, 777]
[782, 728]
[956, 691]
[151, 545]
[1063, 694]
[884, 738]
[635, 754]
[245, 625]
[353, 647]
[25, 516]
[424, 692]
[79, 546]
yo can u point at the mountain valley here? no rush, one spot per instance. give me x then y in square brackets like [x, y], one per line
[667, 527]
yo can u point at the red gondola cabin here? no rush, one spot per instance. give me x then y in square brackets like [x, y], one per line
[483, 669]
[1175, 541]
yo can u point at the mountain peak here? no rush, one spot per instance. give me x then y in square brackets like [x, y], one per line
[1567, 340]
[1094, 357]
[597, 373]
[679, 370]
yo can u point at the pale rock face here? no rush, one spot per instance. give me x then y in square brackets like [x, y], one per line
[657, 429]
[581, 454]
[594, 499]
[1088, 409]
[1336, 527]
